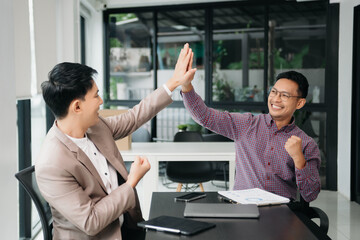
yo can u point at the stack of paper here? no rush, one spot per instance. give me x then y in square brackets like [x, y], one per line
[254, 196]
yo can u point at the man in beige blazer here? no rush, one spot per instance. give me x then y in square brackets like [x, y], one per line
[80, 171]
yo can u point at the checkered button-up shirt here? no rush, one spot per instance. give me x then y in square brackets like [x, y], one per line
[261, 158]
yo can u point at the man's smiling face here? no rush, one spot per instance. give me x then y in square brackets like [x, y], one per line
[279, 109]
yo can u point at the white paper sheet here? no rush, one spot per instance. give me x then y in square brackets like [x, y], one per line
[254, 196]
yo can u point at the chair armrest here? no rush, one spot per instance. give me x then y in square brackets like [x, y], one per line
[314, 212]
[307, 213]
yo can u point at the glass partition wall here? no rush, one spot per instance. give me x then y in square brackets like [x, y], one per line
[238, 54]
[298, 43]
[239, 48]
[175, 28]
[130, 56]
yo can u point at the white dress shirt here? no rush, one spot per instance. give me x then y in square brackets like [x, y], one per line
[106, 171]
[167, 90]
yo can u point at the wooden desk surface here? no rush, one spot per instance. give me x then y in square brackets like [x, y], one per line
[275, 222]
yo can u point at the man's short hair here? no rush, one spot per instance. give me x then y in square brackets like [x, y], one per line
[297, 77]
[67, 81]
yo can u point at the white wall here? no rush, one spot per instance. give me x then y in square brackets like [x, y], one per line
[22, 54]
[57, 29]
[67, 30]
[345, 91]
[94, 40]
[44, 38]
[8, 161]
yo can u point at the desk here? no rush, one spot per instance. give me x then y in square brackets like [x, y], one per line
[179, 151]
[275, 222]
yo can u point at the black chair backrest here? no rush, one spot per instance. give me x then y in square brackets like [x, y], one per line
[27, 179]
[193, 171]
[213, 137]
[141, 135]
[188, 136]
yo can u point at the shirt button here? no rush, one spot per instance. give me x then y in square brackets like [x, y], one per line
[272, 148]
[269, 163]
[94, 153]
[105, 173]
[268, 178]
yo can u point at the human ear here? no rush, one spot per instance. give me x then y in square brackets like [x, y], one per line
[75, 106]
[300, 103]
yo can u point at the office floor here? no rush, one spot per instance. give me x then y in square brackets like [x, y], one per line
[344, 216]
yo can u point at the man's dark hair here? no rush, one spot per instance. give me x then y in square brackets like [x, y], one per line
[297, 77]
[67, 81]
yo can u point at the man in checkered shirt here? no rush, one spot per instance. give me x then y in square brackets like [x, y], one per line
[272, 153]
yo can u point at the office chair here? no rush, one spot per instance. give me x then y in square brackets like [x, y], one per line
[141, 135]
[189, 172]
[221, 167]
[315, 212]
[27, 179]
[306, 213]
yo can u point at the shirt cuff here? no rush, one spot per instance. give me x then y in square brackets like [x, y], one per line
[167, 90]
[302, 174]
[191, 93]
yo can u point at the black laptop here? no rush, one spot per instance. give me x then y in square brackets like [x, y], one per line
[176, 225]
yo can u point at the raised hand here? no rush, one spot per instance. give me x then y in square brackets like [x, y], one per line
[183, 74]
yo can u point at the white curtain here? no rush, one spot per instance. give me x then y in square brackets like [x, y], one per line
[22, 51]
[45, 38]
[46, 32]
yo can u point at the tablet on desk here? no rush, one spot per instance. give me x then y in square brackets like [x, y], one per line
[221, 210]
[176, 225]
[190, 197]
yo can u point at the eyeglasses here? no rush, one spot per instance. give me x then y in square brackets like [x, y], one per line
[284, 96]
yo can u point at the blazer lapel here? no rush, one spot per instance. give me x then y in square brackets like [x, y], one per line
[80, 155]
[83, 158]
[108, 154]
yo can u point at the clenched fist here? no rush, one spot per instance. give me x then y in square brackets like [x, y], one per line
[138, 169]
[294, 147]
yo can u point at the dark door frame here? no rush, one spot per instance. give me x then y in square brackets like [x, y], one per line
[24, 152]
[355, 116]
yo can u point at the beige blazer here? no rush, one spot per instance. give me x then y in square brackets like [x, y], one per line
[68, 180]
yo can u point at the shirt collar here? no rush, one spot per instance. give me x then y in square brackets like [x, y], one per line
[81, 142]
[270, 122]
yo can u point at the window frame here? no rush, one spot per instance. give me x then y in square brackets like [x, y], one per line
[329, 106]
